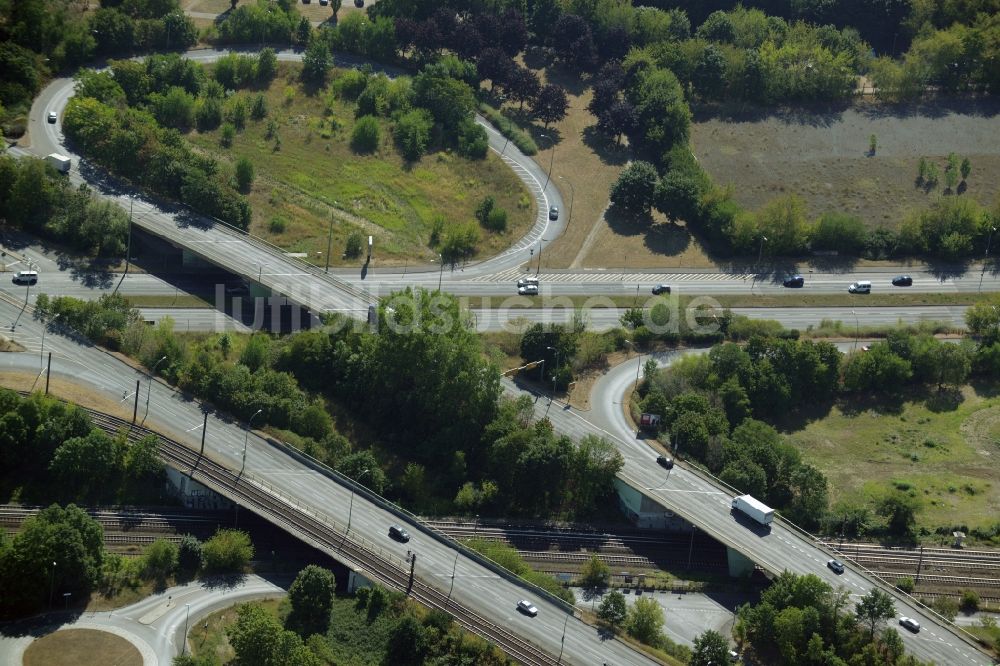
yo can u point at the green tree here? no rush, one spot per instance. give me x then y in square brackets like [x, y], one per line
[227, 135]
[951, 171]
[228, 551]
[983, 320]
[409, 643]
[645, 621]
[90, 467]
[872, 144]
[267, 65]
[259, 640]
[613, 609]
[922, 170]
[709, 648]
[353, 246]
[900, 510]
[366, 135]
[965, 168]
[874, 608]
[635, 188]
[61, 549]
[189, 554]
[160, 560]
[595, 573]
[316, 61]
[244, 174]
[311, 598]
[413, 133]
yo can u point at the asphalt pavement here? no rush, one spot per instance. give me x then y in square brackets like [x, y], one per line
[696, 498]
[179, 417]
[155, 625]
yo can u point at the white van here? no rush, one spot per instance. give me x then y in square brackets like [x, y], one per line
[861, 287]
[524, 282]
[26, 277]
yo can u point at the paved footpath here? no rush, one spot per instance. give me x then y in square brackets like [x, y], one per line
[155, 625]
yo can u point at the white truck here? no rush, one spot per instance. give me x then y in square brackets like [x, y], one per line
[755, 509]
[60, 163]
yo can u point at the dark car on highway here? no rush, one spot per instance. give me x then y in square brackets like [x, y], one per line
[554, 213]
[665, 462]
[902, 281]
[399, 534]
[794, 281]
[661, 289]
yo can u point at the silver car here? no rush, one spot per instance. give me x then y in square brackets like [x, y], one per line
[527, 607]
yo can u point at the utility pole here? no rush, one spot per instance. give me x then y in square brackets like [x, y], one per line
[135, 409]
[986, 257]
[48, 374]
[204, 427]
[329, 244]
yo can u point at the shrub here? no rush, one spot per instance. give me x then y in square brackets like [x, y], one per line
[227, 135]
[244, 174]
[366, 135]
[413, 133]
[496, 221]
[227, 551]
[472, 140]
[839, 232]
[905, 584]
[970, 601]
[484, 208]
[277, 224]
[506, 127]
[353, 247]
[258, 108]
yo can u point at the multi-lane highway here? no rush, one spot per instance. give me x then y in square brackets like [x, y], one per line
[109, 380]
[705, 502]
[688, 494]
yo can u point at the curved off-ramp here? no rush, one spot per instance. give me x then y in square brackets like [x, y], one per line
[156, 625]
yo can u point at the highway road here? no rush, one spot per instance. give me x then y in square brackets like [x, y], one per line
[349, 294]
[698, 499]
[475, 586]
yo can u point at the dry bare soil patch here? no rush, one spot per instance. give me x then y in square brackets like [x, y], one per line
[822, 155]
[81, 647]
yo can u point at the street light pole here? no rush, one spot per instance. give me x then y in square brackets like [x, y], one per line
[454, 568]
[441, 271]
[350, 510]
[184, 638]
[555, 375]
[41, 354]
[760, 255]
[329, 245]
[149, 385]
[541, 246]
[572, 198]
[986, 257]
[857, 329]
[562, 644]
[246, 439]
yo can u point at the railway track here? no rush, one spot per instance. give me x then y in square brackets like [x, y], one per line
[376, 566]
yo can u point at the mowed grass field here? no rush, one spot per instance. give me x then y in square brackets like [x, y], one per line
[822, 155]
[946, 457]
[314, 175]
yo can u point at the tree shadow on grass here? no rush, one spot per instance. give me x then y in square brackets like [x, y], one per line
[879, 403]
[794, 421]
[667, 239]
[606, 150]
[985, 388]
[946, 399]
[573, 82]
[625, 223]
